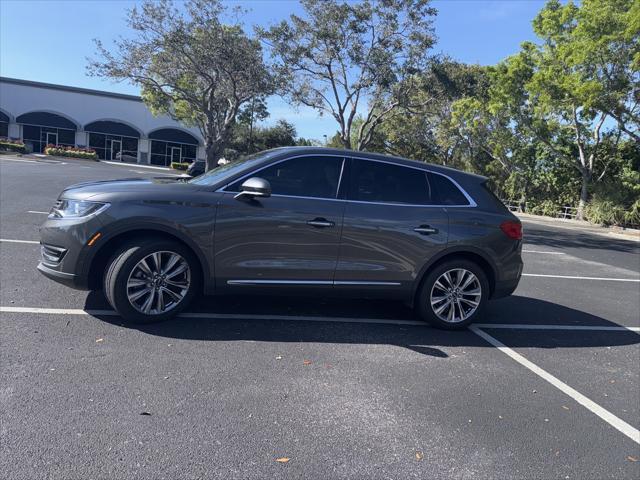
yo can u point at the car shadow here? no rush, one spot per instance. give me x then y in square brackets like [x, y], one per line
[418, 338]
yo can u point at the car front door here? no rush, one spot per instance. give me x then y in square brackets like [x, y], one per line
[290, 238]
[391, 226]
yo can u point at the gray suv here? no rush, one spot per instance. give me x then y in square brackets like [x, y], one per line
[286, 221]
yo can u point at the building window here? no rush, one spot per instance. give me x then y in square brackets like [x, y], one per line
[39, 136]
[4, 125]
[43, 128]
[114, 147]
[164, 153]
[172, 145]
[113, 140]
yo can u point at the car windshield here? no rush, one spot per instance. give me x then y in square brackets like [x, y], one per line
[228, 170]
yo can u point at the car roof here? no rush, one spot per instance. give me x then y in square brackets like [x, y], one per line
[284, 151]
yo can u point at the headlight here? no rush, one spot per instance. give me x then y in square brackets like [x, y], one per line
[76, 208]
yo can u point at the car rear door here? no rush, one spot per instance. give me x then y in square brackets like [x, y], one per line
[290, 238]
[391, 226]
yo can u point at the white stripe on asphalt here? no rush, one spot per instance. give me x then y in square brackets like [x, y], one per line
[604, 279]
[230, 316]
[36, 211]
[126, 164]
[20, 161]
[524, 326]
[610, 418]
[544, 251]
[8, 240]
[307, 318]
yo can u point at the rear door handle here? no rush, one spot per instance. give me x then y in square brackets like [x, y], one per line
[320, 223]
[425, 230]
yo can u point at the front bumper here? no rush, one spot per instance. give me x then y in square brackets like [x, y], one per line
[65, 255]
[68, 279]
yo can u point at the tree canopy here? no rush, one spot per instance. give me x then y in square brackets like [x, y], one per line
[344, 58]
[190, 65]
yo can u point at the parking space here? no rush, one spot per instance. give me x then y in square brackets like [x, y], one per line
[342, 388]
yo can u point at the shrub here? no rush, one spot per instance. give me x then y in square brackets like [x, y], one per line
[12, 145]
[179, 166]
[549, 208]
[74, 152]
[632, 215]
[605, 212]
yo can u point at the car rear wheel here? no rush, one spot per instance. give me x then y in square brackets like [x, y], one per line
[149, 282]
[453, 294]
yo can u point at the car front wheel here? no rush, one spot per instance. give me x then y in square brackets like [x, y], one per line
[148, 282]
[453, 294]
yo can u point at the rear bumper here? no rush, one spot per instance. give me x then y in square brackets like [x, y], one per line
[506, 286]
[504, 289]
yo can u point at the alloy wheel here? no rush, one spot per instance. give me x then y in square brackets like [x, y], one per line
[158, 282]
[455, 295]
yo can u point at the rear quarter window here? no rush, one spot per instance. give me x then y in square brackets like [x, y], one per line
[493, 198]
[446, 192]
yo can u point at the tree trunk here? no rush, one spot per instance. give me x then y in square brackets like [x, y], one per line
[346, 142]
[584, 196]
[214, 150]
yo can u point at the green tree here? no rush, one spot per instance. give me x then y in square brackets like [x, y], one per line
[578, 91]
[426, 132]
[282, 134]
[347, 58]
[190, 65]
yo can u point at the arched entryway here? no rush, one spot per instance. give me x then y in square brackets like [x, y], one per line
[113, 140]
[172, 145]
[45, 128]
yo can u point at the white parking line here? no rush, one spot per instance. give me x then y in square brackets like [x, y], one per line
[524, 326]
[19, 161]
[36, 211]
[544, 251]
[309, 318]
[220, 316]
[610, 418]
[604, 279]
[125, 164]
[9, 240]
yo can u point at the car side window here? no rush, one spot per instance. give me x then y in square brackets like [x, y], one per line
[311, 176]
[445, 191]
[387, 183]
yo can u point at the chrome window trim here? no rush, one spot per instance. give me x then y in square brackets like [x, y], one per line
[472, 202]
[309, 282]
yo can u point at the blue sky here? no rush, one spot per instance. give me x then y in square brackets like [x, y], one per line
[49, 40]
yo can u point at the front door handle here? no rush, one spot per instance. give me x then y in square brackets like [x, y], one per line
[320, 222]
[425, 230]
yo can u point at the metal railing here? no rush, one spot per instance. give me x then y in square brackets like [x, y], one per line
[567, 212]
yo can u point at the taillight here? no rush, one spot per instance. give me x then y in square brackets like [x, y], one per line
[512, 229]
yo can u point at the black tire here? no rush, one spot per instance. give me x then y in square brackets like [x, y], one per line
[423, 299]
[123, 262]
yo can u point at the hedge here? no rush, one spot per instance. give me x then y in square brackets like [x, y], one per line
[179, 166]
[74, 152]
[12, 145]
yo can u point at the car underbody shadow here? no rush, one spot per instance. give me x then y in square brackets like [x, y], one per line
[319, 320]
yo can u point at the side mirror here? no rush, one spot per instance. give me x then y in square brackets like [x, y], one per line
[255, 187]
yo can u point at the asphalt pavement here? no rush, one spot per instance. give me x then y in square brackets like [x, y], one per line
[260, 387]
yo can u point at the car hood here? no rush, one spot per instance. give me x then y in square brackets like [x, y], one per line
[125, 188]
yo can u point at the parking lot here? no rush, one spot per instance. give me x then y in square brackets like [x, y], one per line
[259, 387]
